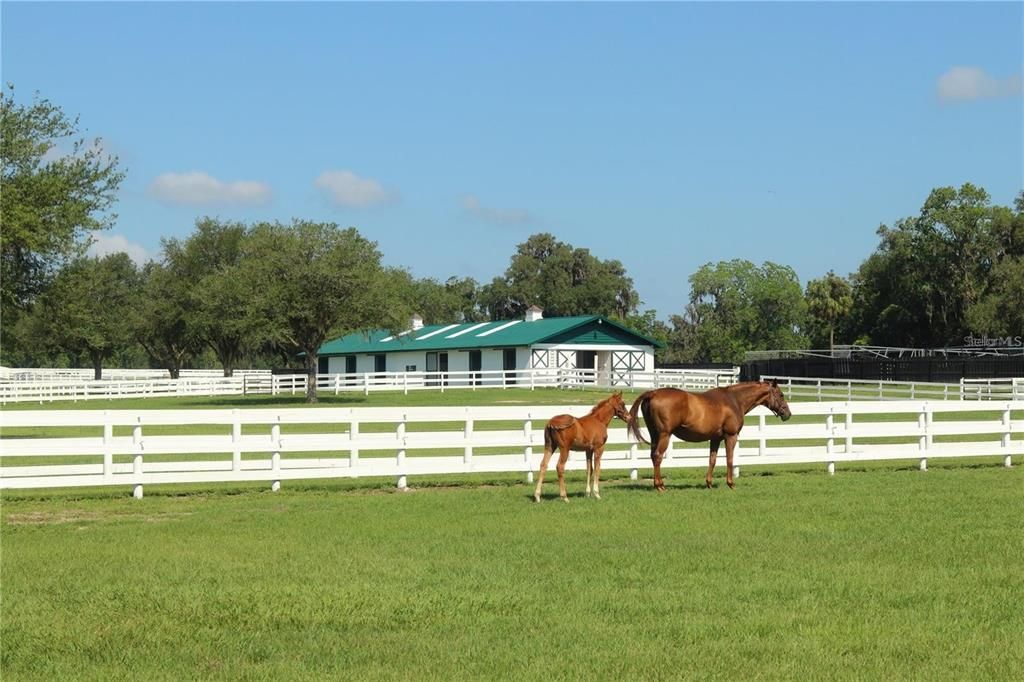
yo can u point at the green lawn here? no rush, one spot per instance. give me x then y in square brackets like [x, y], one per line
[881, 571]
[877, 573]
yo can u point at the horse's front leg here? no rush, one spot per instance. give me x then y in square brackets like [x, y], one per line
[590, 469]
[712, 458]
[597, 471]
[563, 457]
[730, 445]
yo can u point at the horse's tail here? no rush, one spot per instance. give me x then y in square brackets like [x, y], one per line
[634, 425]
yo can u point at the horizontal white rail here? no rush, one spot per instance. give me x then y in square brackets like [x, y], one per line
[863, 389]
[259, 382]
[134, 448]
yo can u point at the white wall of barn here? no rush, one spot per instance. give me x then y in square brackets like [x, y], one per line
[458, 361]
[491, 359]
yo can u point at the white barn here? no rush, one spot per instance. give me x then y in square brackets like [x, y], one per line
[532, 342]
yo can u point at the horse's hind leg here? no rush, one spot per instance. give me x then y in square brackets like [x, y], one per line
[658, 447]
[563, 456]
[540, 474]
[712, 457]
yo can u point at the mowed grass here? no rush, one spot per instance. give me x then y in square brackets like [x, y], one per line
[880, 573]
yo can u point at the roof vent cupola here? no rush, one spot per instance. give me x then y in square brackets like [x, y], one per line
[534, 313]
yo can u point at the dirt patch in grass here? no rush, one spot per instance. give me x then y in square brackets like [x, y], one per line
[46, 518]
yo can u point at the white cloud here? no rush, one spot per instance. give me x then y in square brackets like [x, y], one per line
[345, 188]
[504, 216]
[197, 188]
[966, 83]
[104, 244]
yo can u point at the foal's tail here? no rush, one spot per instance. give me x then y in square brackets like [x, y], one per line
[556, 424]
[634, 425]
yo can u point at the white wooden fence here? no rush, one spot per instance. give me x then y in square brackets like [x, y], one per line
[276, 445]
[30, 388]
[811, 388]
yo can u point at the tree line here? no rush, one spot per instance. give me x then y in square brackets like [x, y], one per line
[271, 293]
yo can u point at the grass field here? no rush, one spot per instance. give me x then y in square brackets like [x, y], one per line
[881, 572]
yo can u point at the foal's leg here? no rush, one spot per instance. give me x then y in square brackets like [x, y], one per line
[590, 469]
[730, 445]
[597, 471]
[712, 457]
[540, 474]
[563, 456]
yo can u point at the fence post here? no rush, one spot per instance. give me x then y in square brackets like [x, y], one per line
[819, 390]
[467, 457]
[137, 458]
[236, 438]
[108, 451]
[528, 454]
[366, 383]
[923, 422]
[830, 443]
[849, 429]
[762, 442]
[275, 458]
[1006, 435]
[353, 435]
[400, 459]
[634, 472]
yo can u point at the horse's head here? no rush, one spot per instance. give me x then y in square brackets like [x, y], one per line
[776, 402]
[619, 407]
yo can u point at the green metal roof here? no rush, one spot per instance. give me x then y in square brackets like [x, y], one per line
[501, 334]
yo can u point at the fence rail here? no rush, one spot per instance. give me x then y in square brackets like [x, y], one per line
[275, 445]
[31, 389]
[822, 389]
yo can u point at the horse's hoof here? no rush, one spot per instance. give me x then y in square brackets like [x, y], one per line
[565, 499]
[596, 496]
[732, 486]
[536, 498]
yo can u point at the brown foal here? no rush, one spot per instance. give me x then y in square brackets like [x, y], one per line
[589, 434]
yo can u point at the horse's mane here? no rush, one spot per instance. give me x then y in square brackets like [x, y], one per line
[744, 385]
[601, 403]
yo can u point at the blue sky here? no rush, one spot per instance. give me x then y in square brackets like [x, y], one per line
[664, 135]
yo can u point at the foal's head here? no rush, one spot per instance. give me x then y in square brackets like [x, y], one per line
[618, 407]
[776, 402]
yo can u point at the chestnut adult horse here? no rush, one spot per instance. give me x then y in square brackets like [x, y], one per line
[714, 415]
[589, 434]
